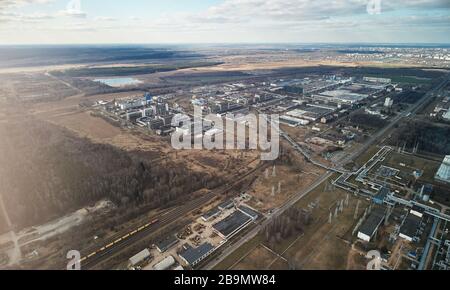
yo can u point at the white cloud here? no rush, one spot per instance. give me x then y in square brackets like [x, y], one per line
[73, 9]
[245, 20]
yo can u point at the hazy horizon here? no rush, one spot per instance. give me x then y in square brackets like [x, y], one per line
[224, 22]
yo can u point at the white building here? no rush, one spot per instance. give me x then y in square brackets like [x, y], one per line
[377, 80]
[139, 257]
[446, 116]
[165, 264]
[388, 102]
[443, 173]
[131, 104]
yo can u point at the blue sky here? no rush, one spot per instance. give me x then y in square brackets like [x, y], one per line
[224, 21]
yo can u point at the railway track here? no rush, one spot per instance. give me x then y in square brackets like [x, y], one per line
[92, 258]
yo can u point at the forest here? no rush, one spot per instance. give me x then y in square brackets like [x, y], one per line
[47, 172]
[367, 121]
[428, 137]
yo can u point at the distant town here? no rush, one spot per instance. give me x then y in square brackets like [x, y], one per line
[363, 164]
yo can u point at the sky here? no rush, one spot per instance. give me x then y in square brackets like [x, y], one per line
[224, 21]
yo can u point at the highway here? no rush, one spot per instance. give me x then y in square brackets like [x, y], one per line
[250, 235]
[120, 242]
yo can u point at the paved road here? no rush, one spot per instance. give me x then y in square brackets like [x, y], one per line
[113, 248]
[250, 235]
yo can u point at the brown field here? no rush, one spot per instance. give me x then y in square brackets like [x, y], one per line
[325, 245]
[321, 246]
[258, 258]
[292, 181]
[86, 125]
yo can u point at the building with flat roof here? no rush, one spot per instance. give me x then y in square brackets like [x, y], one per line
[446, 116]
[342, 96]
[293, 122]
[253, 214]
[232, 224]
[226, 204]
[371, 225]
[409, 227]
[377, 80]
[209, 215]
[443, 173]
[388, 102]
[381, 195]
[192, 256]
[166, 243]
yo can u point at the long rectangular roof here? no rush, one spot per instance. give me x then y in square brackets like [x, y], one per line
[139, 257]
[373, 221]
[166, 243]
[410, 226]
[444, 171]
[193, 255]
[231, 223]
[248, 211]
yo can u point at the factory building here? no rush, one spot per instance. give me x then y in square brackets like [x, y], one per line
[369, 228]
[309, 113]
[446, 116]
[409, 227]
[131, 104]
[232, 224]
[377, 80]
[249, 212]
[192, 256]
[342, 96]
[211, 214]
[294, 89]
[166, 243]
[381, 195]
[226, 204]
[293, 122]
[388, 102]
[443, 173]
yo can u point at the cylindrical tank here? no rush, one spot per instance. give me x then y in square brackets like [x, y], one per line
[164, 264]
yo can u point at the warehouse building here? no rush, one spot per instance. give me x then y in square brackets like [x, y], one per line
[211, 214]
[377, 80]
[409, 227]
[342, 96]
[192, 256]
[139, 258]
[226, 204]
[166, 243]
[232, 224]
[165, 264]
[443, 173]
[293, 122]
[370, 227]
[249, 212]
